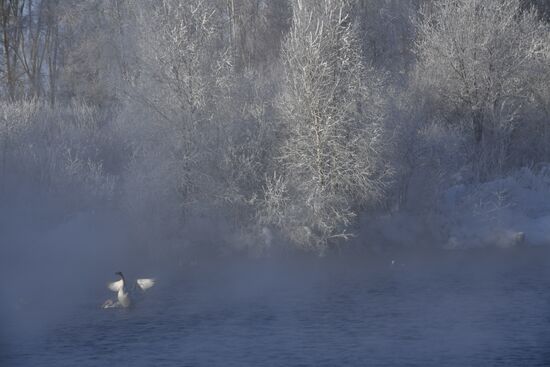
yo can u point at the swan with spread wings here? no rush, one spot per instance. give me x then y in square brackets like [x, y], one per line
[123, 295]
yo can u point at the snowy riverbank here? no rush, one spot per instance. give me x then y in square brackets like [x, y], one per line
[510, 211]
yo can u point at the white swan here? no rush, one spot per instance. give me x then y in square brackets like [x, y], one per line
[123, 298]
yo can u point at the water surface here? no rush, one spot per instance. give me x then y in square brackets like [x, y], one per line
[457, 309]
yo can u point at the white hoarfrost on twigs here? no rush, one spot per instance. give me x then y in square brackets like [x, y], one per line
[506, 212]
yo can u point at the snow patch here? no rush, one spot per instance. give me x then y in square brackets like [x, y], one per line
[506, 212]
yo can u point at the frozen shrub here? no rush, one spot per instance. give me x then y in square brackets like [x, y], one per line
[54, 150]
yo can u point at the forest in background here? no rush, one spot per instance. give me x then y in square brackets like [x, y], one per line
[294, 123]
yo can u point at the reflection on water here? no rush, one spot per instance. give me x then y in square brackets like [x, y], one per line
[453, 310]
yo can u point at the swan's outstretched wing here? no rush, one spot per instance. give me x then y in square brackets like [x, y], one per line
[116, 286]
[145, 283]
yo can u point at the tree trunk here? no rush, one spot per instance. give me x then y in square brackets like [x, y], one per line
[477, 122]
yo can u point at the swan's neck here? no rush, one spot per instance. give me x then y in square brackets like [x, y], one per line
[121, 290]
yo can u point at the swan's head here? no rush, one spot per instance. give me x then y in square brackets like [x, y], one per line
[119, 274]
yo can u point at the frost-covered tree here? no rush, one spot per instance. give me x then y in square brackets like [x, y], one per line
[183, 69]
[200, 125]
[331, 111]
[387, 32]
[256, 28]
[476, 60]
[170, 115]
[184, 54]
[97, 57]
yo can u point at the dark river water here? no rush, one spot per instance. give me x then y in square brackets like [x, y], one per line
[450, 309]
